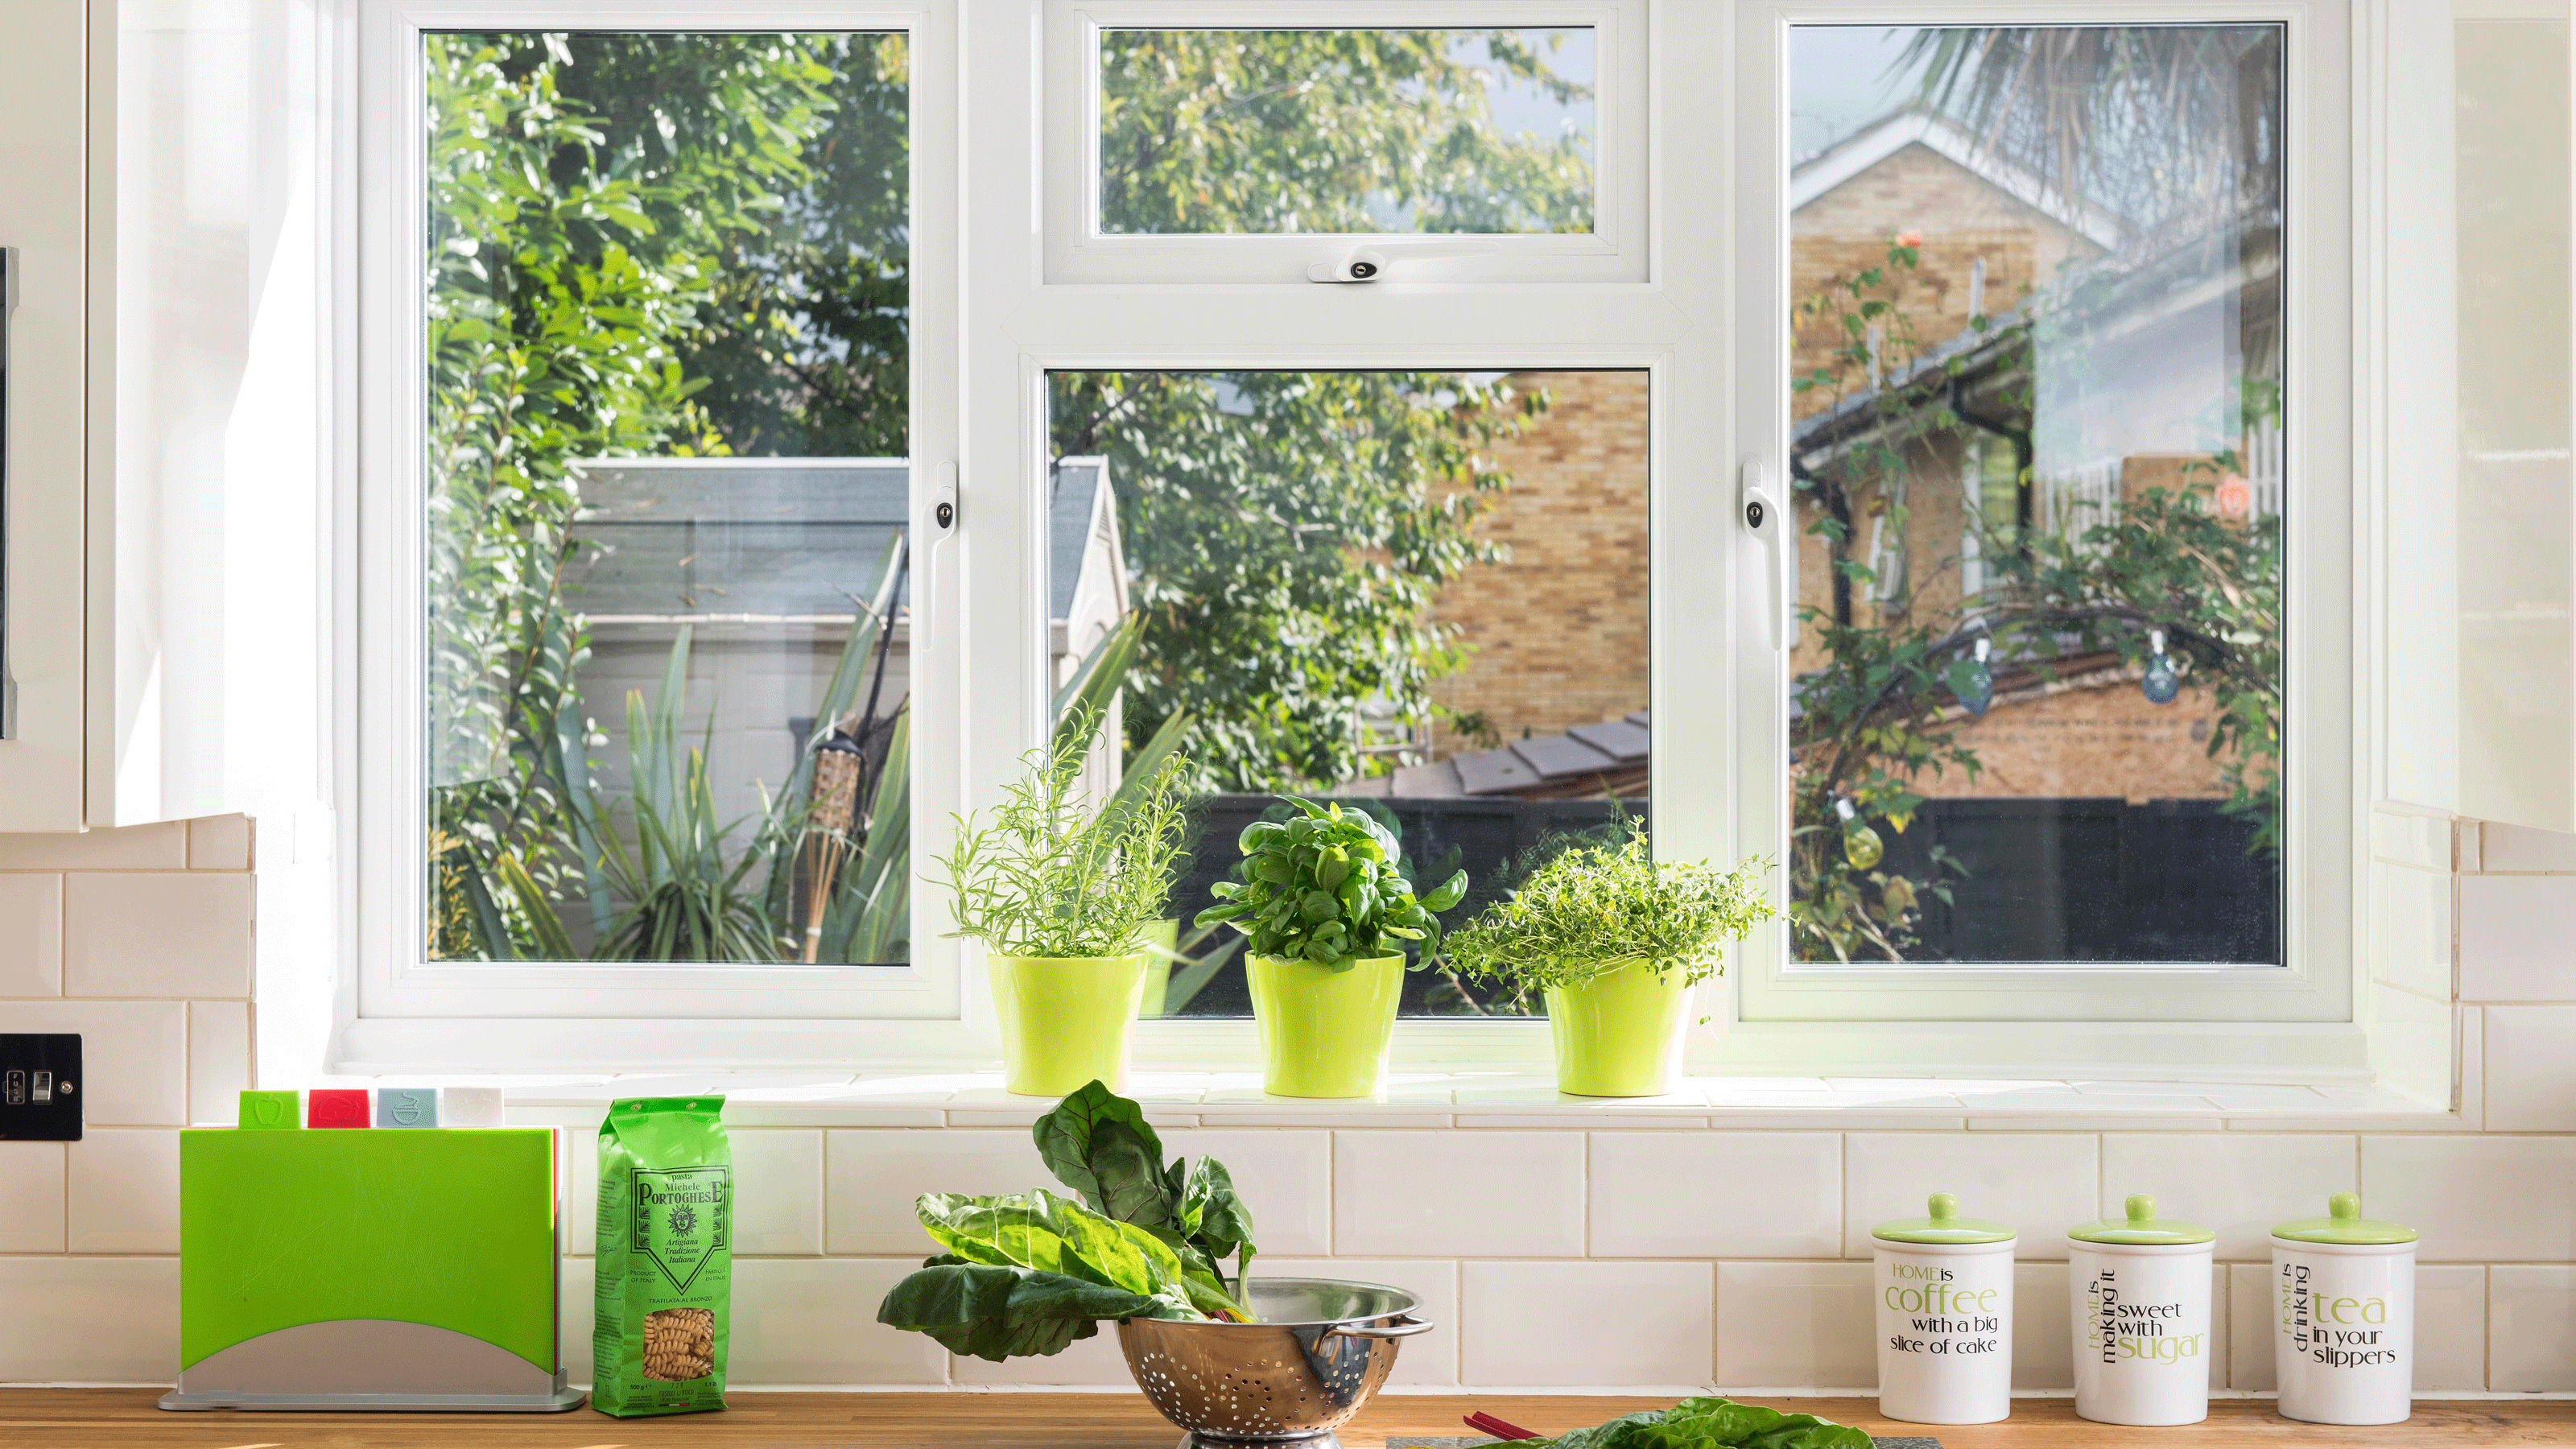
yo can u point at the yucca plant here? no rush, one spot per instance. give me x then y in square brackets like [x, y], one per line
[688, 892]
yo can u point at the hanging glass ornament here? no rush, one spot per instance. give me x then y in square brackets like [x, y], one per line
[1861, 845]
[2162, 684]
[1977, 693]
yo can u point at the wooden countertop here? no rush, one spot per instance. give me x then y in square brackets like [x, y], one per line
[116, 1418]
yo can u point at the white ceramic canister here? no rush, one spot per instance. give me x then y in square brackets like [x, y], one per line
[2343, 1314]
[1944, 1288]
[2141, 1307]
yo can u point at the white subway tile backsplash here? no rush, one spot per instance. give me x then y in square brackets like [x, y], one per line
[31, 935]
[2039, 1183]
[2236, 1183]
[135, 1053]
[125, 1191]
[2423, 841]
[873, 1174]
[1428, 1360]
[1795, 1326]
[2249, 1307]
[2410, 922]
[2450, 1328]
[2514, 931]
[218, 1060]
[2475, 1199]
[156, 934]
[219, 842]
[1398, 1194]
[106, 1320]
[1716, 1194]
[2531, 1318]
[2043, 1344]
[1545, 1325]
[135, 847]
[574, 1310]
[814, 1321]
[31, 1197]
[778, 1191]
[2509, 848]
[1285, 1176]
[2530, 1068]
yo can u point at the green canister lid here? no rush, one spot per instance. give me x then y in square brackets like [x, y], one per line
[1943, 1226]
[2344, 1224]
[2141, 1227]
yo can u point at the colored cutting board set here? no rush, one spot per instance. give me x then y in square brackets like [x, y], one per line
[412, 1268]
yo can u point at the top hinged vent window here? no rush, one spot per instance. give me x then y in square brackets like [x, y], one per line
[1202, 143]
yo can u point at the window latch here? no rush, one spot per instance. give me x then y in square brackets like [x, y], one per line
[1768, 522]
[1369, 264]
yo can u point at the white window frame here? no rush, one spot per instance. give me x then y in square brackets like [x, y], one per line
[1077, 251]
[1005, 293]
[398, 1008]
[2325, 851]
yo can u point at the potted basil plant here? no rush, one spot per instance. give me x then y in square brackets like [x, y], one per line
[1328, 911]
[1060, 890]
[1615, 940]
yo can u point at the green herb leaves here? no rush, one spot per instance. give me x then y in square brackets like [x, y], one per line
[1029, 1273]
[1592, 909]
[1323, 886]
[1712, 1423]
[1053, 876]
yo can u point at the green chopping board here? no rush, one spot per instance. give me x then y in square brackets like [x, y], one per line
[454, 1228]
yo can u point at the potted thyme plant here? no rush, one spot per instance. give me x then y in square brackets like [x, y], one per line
[1060, 891]
[1616, 941]
[1328, 912]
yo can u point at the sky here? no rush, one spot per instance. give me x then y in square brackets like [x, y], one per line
[1839, 82]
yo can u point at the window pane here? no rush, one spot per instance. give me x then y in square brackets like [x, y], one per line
[2038, 446]
[668, 648]
[1322, 131]
[1420, 594]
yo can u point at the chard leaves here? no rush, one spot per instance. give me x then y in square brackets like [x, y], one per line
[1099, 1144]
[1712, 1423]
[1021, 1268]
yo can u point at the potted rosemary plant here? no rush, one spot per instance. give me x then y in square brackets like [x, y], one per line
[1328, 912]
[1615, 940]
[1060, 890]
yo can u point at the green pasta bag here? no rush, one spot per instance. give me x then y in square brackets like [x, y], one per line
[665, 1283]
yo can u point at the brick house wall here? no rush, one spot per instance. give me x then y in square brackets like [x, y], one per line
[1556, 635]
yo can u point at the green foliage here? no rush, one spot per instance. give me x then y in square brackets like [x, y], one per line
[1712, 1423]
[585, 194]
[1289, 531]
[1100, 1145]
[1054, 874]
[1324, 887]
[1331, 131]
[1882, 716]
[1591, 909]
[1061, 1255]
[1029, 1273]
[688, 889]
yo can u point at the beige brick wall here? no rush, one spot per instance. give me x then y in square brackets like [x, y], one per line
[1556, 635]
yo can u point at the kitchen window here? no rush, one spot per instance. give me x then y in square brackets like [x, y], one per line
[1539, 423]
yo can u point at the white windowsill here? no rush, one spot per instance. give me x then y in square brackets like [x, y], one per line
[1491, 1099]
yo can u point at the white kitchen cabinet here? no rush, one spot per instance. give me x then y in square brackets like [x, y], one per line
[167, 587]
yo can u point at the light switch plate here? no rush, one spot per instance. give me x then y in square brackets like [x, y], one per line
[40, 1087]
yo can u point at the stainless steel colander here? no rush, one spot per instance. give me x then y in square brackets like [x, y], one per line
[1321, 1348]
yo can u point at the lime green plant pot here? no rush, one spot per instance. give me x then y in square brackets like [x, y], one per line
[1164, 939]
[1619, 1034]
[1324, 1033]
[1066, 1020]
